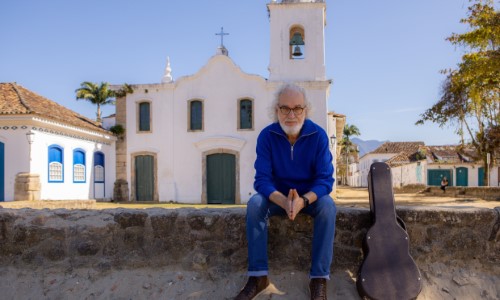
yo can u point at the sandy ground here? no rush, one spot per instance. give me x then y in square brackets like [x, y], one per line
[358, 197]
[440, 281]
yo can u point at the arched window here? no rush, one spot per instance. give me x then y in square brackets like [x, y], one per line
[56, 164]
[98, 167]
[195, 115]
[79, 166]
[245, 114]
[144, 115]
[297, 42]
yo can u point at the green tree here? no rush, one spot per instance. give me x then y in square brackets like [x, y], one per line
[100, 94]
[470, 94]
[348, 148]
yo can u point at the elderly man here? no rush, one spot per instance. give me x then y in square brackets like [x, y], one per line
[294, 173]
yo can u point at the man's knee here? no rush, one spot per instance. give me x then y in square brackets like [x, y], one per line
[255, 203]
[327, 205]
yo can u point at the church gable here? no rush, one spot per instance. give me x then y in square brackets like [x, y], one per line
[220, 69]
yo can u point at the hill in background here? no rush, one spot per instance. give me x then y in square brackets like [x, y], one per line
[366, 146]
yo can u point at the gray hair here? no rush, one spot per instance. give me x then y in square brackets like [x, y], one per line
[273, 113]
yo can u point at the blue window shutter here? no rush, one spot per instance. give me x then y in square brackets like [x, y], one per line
[99, 170]
[56, 164]
[144, 117]
[98, 159]
[55, 154]
[78, 157]
[196, 115]
[245, 114]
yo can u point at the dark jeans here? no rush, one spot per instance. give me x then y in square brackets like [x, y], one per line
[260, 209]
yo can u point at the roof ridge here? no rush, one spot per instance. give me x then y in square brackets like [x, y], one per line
[21, 98]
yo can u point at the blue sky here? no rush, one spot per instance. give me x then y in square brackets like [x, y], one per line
[384, 56]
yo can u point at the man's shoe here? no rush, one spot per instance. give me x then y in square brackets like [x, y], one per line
[254, 286]
[317, 287]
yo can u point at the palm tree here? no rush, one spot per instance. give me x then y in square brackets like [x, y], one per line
[96, 94]
[348, 145]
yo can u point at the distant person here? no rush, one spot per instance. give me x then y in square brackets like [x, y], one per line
[294, 173]
[444, 184]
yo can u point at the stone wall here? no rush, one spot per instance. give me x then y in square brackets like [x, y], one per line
[27, 187]
[213, 240]
[120, 190]
[483, 192]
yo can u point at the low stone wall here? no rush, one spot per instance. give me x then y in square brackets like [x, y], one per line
[483, 192]
[213, 240]
[409, 189]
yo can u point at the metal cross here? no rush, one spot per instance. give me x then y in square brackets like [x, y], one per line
[222, 34]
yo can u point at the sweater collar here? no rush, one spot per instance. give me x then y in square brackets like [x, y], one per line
[307, 128]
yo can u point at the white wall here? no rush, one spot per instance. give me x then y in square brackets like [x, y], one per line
[17, 160]
[472, 174]
[16, 157]
[414, 173]
[68, 189]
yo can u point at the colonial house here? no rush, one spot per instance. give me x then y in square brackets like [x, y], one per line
[415, 163]
[49, 152]
[193, 139]
[397, 153]
[462, 167]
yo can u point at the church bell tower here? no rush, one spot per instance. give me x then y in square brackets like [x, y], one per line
[297, 40]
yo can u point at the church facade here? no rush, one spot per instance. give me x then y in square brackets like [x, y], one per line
[192, 140]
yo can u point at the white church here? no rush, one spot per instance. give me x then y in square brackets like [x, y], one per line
[189, 140]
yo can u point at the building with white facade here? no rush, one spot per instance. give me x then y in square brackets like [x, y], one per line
[193, 139]
[48, 152]
[414, 163]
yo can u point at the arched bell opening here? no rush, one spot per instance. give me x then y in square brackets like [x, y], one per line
[297, 42]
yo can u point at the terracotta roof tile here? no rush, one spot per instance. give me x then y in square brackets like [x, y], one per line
[398, 147]
[16, 100]
[452, 154]
[401, 158]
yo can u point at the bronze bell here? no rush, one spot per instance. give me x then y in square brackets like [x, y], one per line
[296, 51]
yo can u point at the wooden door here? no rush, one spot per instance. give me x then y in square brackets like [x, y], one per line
[144, 178]
[462, 176]
[480, 176]
[434, 177]
[221, 178]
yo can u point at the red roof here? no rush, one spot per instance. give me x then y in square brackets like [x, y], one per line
[17, 100]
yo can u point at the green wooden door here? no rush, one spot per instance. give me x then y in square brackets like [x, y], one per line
[480, 176]
[462, 176]
[221, 178]
[144, 178]
[434, 177]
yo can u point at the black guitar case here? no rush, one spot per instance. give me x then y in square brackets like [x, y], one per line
[388, 271]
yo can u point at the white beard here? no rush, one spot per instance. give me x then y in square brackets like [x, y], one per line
[291, 130]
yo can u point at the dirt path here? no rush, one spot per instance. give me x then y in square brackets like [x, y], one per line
[358, 197]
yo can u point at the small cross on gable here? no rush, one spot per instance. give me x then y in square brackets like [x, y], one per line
[222, 34]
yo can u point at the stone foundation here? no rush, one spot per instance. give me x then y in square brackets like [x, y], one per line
[27, 187]
[120, 191]
[213, 240]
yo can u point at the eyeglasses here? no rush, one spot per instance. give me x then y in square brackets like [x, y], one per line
[296, 110]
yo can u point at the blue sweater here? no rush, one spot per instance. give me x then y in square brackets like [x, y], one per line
[305, 165]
